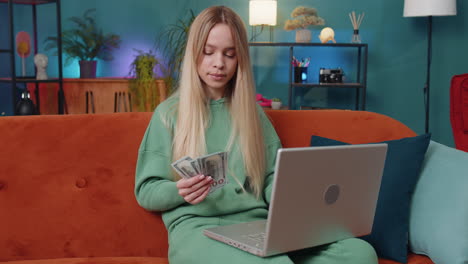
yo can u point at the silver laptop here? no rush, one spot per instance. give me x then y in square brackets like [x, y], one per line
[320, 195]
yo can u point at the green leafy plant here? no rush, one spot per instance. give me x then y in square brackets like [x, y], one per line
[143, 87]
[85, 41]
[172, 43]
[303, 17]
[143, 66]
[276, 100]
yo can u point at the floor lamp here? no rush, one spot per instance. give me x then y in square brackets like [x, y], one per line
[429, 8]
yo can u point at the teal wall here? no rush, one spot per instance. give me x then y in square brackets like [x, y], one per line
[397, 50]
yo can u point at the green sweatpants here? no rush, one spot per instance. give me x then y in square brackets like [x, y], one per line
[187, 244]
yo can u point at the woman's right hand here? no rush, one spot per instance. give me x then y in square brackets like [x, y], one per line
[194, 189]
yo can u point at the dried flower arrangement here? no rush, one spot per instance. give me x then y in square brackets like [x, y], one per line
[303, 17]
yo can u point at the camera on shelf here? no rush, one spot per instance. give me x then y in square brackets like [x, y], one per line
[331, 75]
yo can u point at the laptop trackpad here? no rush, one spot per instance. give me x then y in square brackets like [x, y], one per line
[251, 234]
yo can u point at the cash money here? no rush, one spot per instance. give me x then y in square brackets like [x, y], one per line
[196, 165]
[184, 167]
[215, 165]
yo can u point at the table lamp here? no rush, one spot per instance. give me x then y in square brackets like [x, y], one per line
[429, 8]
[262, 13]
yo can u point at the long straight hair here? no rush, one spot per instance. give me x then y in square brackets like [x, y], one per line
[193, 107]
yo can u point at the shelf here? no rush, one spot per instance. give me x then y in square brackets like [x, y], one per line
[31, 79]
[99, 79]
[307, 107]
[283, 107]
[309, 44]
[28, 80]
[359, 49]
[11, 77]
[339, 85]
[30, 2]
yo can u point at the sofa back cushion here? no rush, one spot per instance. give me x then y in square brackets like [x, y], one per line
[67, 188]
[295, 127]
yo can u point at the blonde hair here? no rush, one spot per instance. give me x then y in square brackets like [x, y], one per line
[193, 107]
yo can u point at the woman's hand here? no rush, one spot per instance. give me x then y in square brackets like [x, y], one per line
[195, 189]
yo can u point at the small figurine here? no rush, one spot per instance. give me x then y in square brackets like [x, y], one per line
[41, 62]
[327, 34]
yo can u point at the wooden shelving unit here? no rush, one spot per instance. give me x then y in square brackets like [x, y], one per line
[13, 79]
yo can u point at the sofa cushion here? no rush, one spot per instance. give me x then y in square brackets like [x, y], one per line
[412, 259]
[104, 260]
[294, 127]
[439, 211]
[389, 234]
[74, 188]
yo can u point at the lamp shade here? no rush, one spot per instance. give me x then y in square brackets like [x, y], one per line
[415, 8]
[262, 12]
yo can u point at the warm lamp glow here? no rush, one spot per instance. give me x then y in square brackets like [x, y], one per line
[415, 8]
[262, 12]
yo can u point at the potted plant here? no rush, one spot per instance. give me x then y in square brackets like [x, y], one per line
[145, 89]
[276, 103]
[302, 18]
[172, 43]
[86, 42]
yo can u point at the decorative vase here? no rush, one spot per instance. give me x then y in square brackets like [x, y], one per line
[25, 105]
[303, 35]
[275, 105]
[87, 69]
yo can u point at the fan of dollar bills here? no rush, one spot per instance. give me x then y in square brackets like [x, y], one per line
[214, 165]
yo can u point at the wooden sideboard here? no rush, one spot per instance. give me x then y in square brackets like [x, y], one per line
[99, 95]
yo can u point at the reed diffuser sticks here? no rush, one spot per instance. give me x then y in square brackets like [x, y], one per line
[356, 21]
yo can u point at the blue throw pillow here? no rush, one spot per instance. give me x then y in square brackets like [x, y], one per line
[439, 211]
[389, 234]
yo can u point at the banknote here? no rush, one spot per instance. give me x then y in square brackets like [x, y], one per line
[196, 165]
[215, 165]
[184, 167]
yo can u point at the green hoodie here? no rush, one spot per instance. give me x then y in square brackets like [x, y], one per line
[156, 190]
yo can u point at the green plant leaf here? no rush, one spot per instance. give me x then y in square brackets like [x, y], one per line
[172, 44]
[85, 41]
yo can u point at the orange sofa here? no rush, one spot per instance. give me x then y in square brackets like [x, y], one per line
[66, 183]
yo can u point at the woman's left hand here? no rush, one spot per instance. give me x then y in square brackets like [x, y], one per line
[194, 189]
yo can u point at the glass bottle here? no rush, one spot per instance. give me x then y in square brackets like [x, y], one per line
[356, 37]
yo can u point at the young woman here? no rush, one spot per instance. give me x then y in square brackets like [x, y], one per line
[214, 110]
